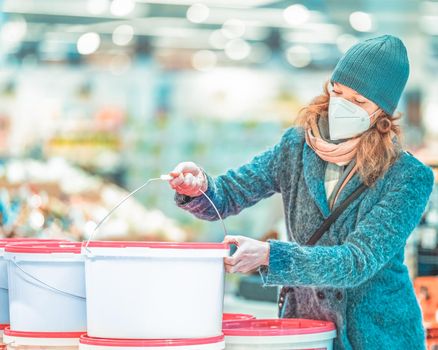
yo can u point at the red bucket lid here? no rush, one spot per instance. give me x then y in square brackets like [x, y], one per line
[86, 340]
[157, 245]
[44, 247]
[6, 241]
[431, 329]
[46, 335]
[277, 327]
[3, 326]
[236, 317]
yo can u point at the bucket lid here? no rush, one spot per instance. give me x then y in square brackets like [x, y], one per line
[45, 335]
[3, 326]
[277, 327]
[42, 340]
[38, 247]
[6, 241]
[86, 340]
[227, 317]
[157, 245]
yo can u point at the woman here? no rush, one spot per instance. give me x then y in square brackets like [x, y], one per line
[354, 275]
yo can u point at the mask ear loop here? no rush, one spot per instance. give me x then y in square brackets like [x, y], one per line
[374, 118]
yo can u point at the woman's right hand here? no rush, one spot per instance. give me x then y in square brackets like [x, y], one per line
[188, 179]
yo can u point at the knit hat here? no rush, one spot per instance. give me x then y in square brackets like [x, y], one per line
[377, 68]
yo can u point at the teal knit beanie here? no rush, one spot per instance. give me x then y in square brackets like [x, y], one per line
[377, 68]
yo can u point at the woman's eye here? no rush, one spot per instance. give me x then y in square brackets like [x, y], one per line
[360, 102]
[336, 92]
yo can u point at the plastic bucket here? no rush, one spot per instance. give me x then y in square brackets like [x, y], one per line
[154, 290]
[46, 287]
[284, 334]
[41, 340]
[213, 343]
[4, 294]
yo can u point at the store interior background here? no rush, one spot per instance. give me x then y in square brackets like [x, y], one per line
[97, 96]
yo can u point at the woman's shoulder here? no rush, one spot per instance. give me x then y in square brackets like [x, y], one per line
[408, 168]
[294, 135]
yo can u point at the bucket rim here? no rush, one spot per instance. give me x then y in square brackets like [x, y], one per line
[233, 317]
[86, 340]
[46, 335]
[38, 247]
[277, 327]
[158, 245]
[3, 326]
[4, 242]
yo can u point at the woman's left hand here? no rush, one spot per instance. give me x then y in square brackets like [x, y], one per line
[250, 254]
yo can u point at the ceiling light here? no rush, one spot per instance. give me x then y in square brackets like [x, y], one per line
[298, 56]
[122, 8]
[217, 40]
[88, 43]
[198, 13]
[296, 15]
[123, 35]
[361, 21]
[233, 28]
[14, 31]
[237, 49]
[97, 7]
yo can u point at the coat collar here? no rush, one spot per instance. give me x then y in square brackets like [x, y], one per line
[314, 175]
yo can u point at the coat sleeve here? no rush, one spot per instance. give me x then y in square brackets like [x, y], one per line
[243, 187]
[377, 238]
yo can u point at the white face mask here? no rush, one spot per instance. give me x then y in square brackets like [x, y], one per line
[346, 119]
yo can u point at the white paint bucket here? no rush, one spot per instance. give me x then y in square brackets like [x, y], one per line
[284, 334]
[154, 290]
[41, 340]
[213, 343]
[46, 287]
[4, 289]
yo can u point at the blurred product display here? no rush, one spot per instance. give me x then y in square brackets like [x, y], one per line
[56, 199]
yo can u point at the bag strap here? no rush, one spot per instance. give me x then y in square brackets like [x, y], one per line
[335, 214]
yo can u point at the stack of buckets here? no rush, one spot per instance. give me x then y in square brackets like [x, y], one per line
[136, 296]
[42, 277]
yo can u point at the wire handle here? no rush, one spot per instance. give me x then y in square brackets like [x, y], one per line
[161, 178]
[46, 285]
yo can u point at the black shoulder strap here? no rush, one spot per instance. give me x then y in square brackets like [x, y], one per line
[335, 214]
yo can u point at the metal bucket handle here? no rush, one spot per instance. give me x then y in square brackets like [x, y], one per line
[161, 178]
[44, 284]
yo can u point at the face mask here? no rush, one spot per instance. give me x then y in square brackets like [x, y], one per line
[346, 119]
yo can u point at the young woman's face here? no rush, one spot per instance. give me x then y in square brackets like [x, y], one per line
[351, 95]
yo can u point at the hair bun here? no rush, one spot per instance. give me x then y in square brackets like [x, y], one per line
[384, 125]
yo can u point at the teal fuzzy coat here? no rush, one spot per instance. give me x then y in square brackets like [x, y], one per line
[355, 276]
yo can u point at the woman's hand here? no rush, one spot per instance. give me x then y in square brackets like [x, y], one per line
[250, 254]
[188, 179]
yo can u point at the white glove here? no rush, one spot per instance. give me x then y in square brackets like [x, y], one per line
[188, 179]
[250, 254]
